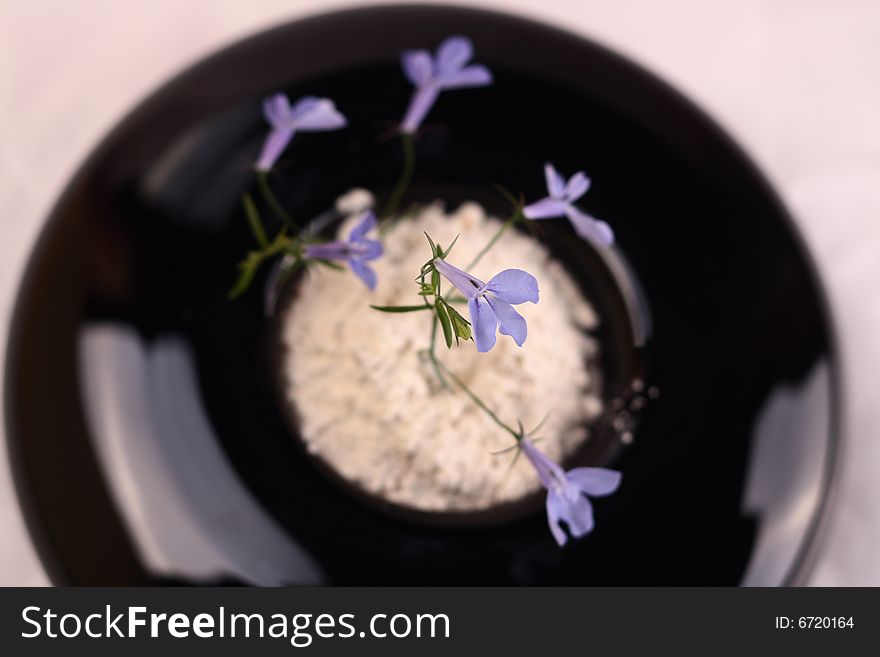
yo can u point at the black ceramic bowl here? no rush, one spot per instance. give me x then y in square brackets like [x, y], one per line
[148, 439]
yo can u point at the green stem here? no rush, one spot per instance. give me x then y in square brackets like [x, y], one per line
[254, 259]
[272, 201]
[504, 228]
[434, 360]
[254, 220]
[479, 402]
[409, 165]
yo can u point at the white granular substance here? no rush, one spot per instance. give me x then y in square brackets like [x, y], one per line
[373, 411]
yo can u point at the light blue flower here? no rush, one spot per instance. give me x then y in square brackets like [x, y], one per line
[309, 114]
[560, 203]
[491, 304]
[356, 250]
[448, 69]
[567, 492]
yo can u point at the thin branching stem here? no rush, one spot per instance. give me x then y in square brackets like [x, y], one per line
[406, 174]
[434, 360]
[272, 201]
[516, 216]
[479, 402]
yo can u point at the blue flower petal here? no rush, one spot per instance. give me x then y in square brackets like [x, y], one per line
[471, 76]
[372, 249]
[556, 506]
[548, 472]
[555, 182]
[595, 482]
[316, 115]
[417, 66]
[303, 107]
[468, 285]
[364, 226]
[510, 322]
[590, 228]
[546, 208]
[274, 145]
[366, 274]
[483, 322]
[329, 251]
[514, 286]
[276, 109]
[577, 186]
[452, 55]
[419, 105]
[578, 515]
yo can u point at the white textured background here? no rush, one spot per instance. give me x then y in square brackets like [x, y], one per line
[796, 81]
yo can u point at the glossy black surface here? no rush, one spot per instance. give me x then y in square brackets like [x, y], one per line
[124, 341]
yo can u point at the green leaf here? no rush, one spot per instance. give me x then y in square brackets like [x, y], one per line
[435, 280]
[401, 309]
[433, 246]
[254, 220]
[279, 244]
[445, 322]
[426, 269]
[460, 325]
[247, 270]
[445, 253]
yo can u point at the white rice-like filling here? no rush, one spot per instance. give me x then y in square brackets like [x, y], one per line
[375, 413]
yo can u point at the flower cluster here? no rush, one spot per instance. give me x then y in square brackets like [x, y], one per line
[490, 304]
